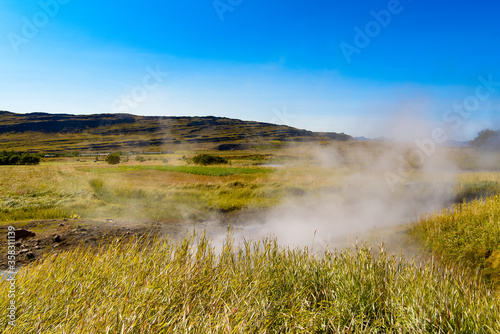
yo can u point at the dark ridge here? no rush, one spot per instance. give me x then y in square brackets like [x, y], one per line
[55, 132]
[50, 123]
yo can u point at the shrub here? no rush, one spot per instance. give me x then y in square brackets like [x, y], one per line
[29, 159]
[113, 159]
[207, 159]
[487, 139]
[16, 158]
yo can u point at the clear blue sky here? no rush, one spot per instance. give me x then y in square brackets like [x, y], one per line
[288, 62]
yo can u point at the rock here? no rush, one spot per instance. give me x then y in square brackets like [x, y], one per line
[30, 255]
[22, 234]
[57, 238]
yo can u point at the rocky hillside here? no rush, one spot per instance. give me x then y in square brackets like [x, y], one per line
[64, 132]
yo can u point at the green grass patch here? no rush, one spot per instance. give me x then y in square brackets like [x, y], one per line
[197, 170]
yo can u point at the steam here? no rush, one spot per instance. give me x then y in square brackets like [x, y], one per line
[358, 199]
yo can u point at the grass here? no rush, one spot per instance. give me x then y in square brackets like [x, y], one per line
[29, 192]
[476, 185]
[188, 286]
[147, 192]
[474, 190]
[467, 234]
[196, 170]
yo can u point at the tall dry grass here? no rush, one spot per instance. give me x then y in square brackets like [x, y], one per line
[189, 286]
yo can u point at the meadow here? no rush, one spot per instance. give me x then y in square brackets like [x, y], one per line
[153, 284]
[151, 190]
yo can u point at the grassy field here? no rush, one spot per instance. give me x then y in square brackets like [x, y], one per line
[151, 190]
[154, 192]
[57, 190]
[191, 285]
[196, 170]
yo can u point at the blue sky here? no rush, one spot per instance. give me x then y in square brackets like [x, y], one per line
[366, 68]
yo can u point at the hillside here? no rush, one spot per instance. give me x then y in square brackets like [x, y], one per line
[45, 132]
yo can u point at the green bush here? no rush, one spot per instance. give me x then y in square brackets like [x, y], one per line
[207, 159]
[113, 159]
[16, 158]
[487, 139]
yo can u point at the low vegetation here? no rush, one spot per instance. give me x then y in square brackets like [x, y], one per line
[189, 286]
[145, 192]
[207, 159]
[487, 139]
[467, 235]
[208, 171]
[18, 158]
[113, 159]
[468, 191]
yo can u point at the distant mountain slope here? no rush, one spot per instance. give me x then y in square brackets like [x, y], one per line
[63, 132]
[50, 123]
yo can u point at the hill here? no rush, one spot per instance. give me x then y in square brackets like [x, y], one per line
[43, 132]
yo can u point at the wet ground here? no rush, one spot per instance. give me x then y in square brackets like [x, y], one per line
[58, 235]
